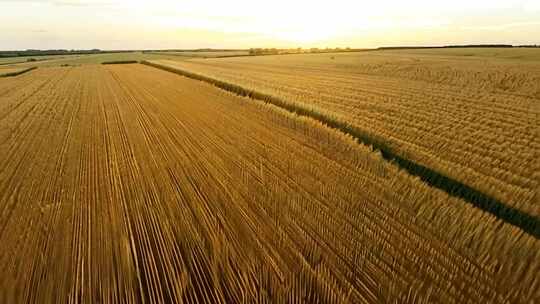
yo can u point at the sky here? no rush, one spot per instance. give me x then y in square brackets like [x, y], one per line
[169, 24]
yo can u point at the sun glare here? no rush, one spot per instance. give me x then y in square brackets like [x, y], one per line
[305, 35]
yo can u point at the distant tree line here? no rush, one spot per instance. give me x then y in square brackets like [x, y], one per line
[31, 52]
[455, 46]
[193, 50]
[275, 51]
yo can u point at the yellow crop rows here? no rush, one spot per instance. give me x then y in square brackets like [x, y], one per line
[130, 184]
[472, 121]
[14, 71]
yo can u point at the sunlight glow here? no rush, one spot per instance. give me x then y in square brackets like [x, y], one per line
[273, 23]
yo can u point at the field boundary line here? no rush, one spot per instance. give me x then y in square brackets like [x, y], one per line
[528, 223]
[120, 62]
[12, 74]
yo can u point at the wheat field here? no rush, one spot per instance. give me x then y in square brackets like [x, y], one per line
[472, 119]
[125, 183]
[11, 71]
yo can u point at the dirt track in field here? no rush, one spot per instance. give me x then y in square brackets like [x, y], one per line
[126, 183]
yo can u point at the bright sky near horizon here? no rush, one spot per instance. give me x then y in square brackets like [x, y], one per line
[161, 24]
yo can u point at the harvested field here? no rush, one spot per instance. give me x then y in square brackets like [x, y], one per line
[26, 59]
[510, 55]
[9, 70]
[205, 54]
[474, 121]
[14, 71]
[90, 59]
[127, 183]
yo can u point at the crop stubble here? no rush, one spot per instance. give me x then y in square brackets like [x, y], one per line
[130, 183]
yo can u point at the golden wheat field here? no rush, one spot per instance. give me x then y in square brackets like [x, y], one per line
[471, 117]
[8, 71]
[280, 152]
[263, 180]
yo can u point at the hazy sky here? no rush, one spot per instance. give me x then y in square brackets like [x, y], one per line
[135, 24]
